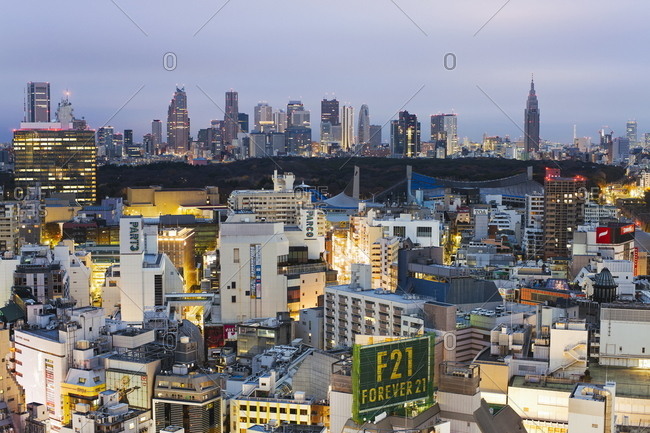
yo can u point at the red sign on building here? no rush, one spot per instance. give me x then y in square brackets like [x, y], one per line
[627, 229]
[603, 235]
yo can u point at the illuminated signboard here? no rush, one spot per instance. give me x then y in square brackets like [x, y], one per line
[388, 375]
[256, 271]
[132, 387]
[615, 234]
[134, 235]
[603, 235]
[309, 224]
[50, 386]
[625, 230]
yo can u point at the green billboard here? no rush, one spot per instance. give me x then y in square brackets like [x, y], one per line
[390, 374]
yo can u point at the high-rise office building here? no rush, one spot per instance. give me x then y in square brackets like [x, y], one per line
[37, 102]
[263, 117]
[347, 128]
[118, 145]
[531, 122]
[363, 130]
[291, 107]
[131, 149]
[215, 137]
[607, 144]
[128, 137]
[147, 145]
[438, 127]
[375, 136]
[563, 212]
[59, 160]
[444, 130]
[329, 111]
[242, 122]
[298, 140]
[329, 123]
[231, 117]
[280, 120]
[620, 149]
[156, 134]
[105, 144]
[178, 123]
[631, 132]
[405, 135]
[300, 119]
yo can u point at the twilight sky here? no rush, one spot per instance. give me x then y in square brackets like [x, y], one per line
[588, 57]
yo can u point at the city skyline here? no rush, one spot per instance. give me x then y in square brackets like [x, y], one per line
[571, 83]
[146, 129]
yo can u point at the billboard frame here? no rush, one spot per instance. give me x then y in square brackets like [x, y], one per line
[388, 368]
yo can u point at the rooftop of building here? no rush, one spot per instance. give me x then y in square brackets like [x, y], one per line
[287, 428]
[48, 334]
[131, 331]
[627, 305]
[382, 295]
[297, 193]
[630, 382]
[589, 391]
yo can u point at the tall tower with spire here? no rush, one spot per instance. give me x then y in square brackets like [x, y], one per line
[531, 122]
[178, 123]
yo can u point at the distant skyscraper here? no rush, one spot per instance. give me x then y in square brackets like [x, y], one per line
[444, 129]
[130, 148]
[118, 144]
[178, 123]
[128, 137]
[631, 132]
[215, 137]
[298, 130]
[405, 135]
[438, 127]
[329, 111]
[242, 121]
[147, 145]
[280, 120]
[105, 144]
[59, 160]
[531, 122]
[375, 136]
[620, 150]
[347, 128]
[329, 123]
[263, 117]
[363, 131]
[37, 102]
[300, 118]
[156, 134]
[291, 107]
[64, 113]
[231, 117]
[298, 140]
[607, 144]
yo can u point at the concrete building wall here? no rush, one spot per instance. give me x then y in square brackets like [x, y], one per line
[309, 326]
[340, 404]
[255, 247]
[620, 344]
